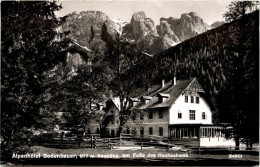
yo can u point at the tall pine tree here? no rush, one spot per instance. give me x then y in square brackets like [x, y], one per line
[30, 46]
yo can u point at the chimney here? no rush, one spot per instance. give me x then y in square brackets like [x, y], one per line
[162, 83]
[174, 80]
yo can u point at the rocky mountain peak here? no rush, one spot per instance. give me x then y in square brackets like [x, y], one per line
[140, 26]
[119, 25]
[191, 21]
[86, 29]
[188, 26]
[192, 18]
[137, 17]
[88, 14]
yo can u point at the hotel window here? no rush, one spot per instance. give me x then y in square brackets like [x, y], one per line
[186, 99]
[192, 99]
[192, 114]
[150, 115]
[150, 131]
[160, 114]
[141, 131]
[160, 131]
[203, 115]
[179, 115]
[197, 100]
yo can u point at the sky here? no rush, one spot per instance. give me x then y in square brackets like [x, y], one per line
[209, 10]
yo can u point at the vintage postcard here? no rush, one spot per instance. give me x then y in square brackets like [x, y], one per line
[126, 83]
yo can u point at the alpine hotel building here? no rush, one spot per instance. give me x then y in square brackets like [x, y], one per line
[175, 110]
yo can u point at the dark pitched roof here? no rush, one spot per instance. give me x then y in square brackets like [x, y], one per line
[154, 90]
[174, 92]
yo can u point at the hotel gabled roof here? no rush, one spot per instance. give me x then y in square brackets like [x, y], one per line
[174, 92]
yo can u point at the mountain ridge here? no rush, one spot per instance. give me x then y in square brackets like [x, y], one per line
[86, 29]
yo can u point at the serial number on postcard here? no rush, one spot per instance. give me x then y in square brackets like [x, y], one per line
[237, 156]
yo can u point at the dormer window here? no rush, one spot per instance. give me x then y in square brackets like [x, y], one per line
[146, 99]
[134, 101]
[163, 97]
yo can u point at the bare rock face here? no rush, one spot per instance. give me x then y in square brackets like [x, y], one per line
[188, 26]
[166, 32]
[86, 27]
[119, 25]
[140, 27]
[85, 30]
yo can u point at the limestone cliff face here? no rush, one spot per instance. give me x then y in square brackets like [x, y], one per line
[188, 26]
[140, 26]
[86, 29]
[167, 34]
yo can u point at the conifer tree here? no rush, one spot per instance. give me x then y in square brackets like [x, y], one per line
[30, 46]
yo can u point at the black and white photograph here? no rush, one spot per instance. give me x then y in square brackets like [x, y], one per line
[130, 83]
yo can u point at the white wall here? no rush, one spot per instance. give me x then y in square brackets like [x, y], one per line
[218, 141]
[185, 107]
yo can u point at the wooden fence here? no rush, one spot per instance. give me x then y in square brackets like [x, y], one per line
[94, 141]
[128, 141]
